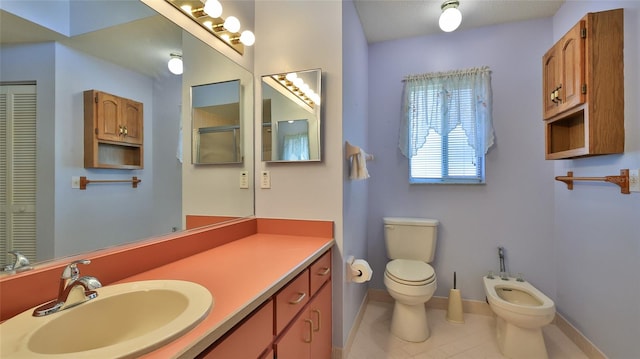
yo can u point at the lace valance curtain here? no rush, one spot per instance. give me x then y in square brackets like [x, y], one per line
[440, 102]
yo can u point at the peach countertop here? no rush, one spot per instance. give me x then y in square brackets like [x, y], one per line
[241, 275]
[242, 263]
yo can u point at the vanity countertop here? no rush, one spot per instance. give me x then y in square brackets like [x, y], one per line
[241, 275]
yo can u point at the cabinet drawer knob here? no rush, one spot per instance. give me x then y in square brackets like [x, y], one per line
[300, 298]
[317, 311]
[310, 331]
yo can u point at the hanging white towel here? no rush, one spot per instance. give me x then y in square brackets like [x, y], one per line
[359, 166]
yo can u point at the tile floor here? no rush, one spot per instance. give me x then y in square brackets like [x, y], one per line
[474, 339]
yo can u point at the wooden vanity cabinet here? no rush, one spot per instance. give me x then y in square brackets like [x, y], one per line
[309, 334]
[249, 339]
[113, 131]
[295, 323]
[583, 89]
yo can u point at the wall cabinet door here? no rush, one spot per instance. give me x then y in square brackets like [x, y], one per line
[572, 69]
[563, 73]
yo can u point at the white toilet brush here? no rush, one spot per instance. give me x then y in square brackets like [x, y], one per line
[454, 311]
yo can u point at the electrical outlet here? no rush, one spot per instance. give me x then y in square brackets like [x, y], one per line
[75, 182]
[634, 180]
[265, 180]
[244, 179]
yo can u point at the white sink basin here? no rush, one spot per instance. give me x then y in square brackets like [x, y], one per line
[125, 320]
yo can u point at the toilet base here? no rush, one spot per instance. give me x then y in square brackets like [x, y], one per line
[409, 322]
[515, 342]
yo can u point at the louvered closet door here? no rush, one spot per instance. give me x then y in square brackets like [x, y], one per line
[17, 171]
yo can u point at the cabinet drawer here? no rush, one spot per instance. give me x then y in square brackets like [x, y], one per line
[291, 299]
[320, 272]
[249, 339]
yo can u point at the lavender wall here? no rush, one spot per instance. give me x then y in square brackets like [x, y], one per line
[597, 229]
[354, 128]
[514, 208]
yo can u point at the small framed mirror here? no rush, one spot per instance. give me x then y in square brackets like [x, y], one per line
[291, 116]
[215, 119]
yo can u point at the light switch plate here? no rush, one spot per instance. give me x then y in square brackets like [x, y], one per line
[75, 182]
[265, 179]
[244, 179]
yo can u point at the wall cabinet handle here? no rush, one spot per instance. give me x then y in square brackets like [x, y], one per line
[121, 129]
[317, 311]
[310, 331]
[301, 296]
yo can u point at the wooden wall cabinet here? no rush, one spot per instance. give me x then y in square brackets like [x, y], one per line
[583, 89]
[295, 323]
[113, 131]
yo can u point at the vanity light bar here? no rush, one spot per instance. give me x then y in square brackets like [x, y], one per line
[296, 86]
[207, 14]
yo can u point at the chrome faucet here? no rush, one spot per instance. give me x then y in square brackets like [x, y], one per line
[20, 264]
[503, 268]
[69, 281]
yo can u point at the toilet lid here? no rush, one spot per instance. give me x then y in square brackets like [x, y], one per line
[405, 270]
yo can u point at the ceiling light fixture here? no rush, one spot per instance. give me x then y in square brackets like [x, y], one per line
[451, 16]
[175, 64]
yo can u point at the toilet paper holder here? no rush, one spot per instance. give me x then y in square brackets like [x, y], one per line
[354, 272]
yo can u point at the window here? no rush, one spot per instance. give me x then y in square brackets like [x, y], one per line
[446, 126]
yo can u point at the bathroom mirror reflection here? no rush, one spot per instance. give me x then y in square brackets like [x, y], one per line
[291, 116]
[123, 51]
[216, 126]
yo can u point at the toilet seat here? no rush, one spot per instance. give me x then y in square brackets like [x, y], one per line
[410, 272]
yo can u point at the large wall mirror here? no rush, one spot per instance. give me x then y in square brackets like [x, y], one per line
[62, 48]
[215, 123]
[291, 116]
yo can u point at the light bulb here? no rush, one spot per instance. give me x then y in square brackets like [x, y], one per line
[175, 64]
[298, 82]
[213, 8]
[450, 18]
[291, 76]
[247, 38]
[208, 24]
[232, 24]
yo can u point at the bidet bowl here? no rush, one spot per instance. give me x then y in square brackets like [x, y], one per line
[125, 320]
[519, 303]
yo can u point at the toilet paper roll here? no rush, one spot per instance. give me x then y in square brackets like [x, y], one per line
[361, 271]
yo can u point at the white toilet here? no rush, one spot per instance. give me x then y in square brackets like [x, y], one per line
[522, 311]
[410, 280]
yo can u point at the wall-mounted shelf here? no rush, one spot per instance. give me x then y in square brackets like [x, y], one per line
[622, 180]
[84, 181]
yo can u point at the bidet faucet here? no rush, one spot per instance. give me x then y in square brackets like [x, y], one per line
[69, 281]
[503, 268]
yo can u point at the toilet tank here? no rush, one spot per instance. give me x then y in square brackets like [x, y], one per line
[410, 238]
